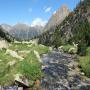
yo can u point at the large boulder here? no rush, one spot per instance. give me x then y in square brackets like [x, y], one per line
[21, 80]
[3, 44]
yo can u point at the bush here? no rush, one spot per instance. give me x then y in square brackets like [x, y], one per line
[57, 38]
[67, 47]
[88, 51]
[82, 48]
[85, 65]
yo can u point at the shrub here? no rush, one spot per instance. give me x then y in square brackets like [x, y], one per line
[85, 65]
[67, 47]
[57, 38]
[82, 48]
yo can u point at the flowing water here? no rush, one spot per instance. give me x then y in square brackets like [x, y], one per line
[56, 73]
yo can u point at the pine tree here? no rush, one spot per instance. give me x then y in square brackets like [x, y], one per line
[57, 38]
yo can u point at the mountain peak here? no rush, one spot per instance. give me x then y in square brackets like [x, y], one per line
[6, 27]
[57, 17]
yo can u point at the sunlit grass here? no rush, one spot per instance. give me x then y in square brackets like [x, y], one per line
[30, 67]
[85, 63]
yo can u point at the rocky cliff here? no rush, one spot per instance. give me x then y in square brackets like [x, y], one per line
[57, 17]
[70, 25]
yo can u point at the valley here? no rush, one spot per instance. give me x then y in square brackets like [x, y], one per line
[51, 57]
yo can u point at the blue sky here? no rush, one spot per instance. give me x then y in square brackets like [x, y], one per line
[29, 11]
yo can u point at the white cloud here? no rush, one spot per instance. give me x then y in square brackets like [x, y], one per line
[30, 9]
[48, 9]
[54, 12]
[38, 22]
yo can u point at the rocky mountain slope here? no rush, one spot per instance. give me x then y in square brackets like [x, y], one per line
[5, 35]
[22, 31]
[57, 17]
[6, 27]
[71, 24]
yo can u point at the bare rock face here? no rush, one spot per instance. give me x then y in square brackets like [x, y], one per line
[57, 17]
[68, 26]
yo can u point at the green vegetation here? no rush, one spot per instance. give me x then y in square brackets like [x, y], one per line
[82, 48]
[19, 46]
[30, 67]
[85, 63]
[67, 47]
[57, 38]
[6, 72]
[82, 36]
[23, 46]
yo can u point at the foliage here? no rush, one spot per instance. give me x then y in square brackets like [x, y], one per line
[67, 47]
[82, 48]
[85, 63]
[82, 32]
[57, 38]
[30, 67]
[23, 46]
[82, 36]
[6, 72]
[19, 46]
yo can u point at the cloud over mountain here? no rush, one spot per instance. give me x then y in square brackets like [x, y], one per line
[38, 22]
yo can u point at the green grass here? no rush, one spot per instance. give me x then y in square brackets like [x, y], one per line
[85, 63]
[88, 51]
[41, 49]
[19, 46]
[6, 72]
[30, 67]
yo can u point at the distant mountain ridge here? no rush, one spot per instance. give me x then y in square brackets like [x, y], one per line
[22, 31]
